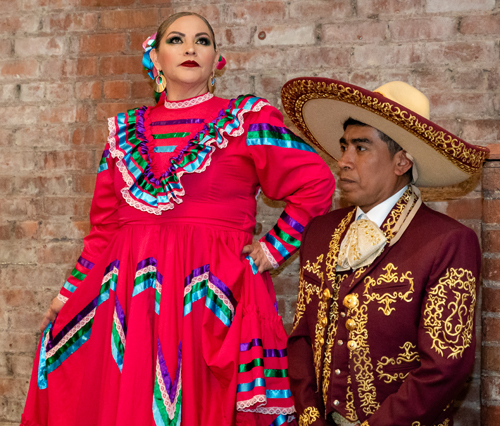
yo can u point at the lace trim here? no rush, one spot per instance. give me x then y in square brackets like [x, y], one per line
[62, 298]
[169, 406]
[145, 270]
[245, 406]
[212, 287]
[129, 181]
[189, 102]
[119, 328]
[269, 256]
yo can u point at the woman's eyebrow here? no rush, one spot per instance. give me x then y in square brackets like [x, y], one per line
[177, 32]
[200, 34]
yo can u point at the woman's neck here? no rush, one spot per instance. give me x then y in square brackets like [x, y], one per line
[179, 92]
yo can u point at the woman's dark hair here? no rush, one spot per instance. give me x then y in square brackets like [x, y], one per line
[162, 29]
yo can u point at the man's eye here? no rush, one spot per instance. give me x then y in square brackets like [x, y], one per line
[361, 148]
[342, 148]
[204, 41]
[174, 40]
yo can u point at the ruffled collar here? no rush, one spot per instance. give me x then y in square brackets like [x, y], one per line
[128, 142]
[188, 102]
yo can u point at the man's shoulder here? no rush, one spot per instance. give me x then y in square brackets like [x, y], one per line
[329, 221]
[430, 220]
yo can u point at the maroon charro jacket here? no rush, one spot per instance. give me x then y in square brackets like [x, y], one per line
[393, 343]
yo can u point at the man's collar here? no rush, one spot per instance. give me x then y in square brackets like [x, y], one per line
[378, 213]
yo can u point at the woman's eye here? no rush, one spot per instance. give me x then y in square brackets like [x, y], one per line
[204, 41]
[174, 40]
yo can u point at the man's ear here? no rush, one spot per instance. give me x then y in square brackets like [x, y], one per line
[154, 57]
[401, 163]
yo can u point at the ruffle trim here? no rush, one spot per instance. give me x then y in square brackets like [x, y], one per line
[249, 406]
[202, 140]
[62, 298]
[269, 256]
[188, 103]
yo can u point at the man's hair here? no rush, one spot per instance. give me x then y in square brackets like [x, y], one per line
[391, 144]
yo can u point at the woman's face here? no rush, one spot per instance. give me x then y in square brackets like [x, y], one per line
[186, 52]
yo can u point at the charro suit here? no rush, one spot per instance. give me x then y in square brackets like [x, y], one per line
[391, 343]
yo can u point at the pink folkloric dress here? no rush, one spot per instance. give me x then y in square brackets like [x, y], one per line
[165, 322]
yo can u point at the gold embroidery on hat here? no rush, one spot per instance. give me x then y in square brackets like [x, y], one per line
[455, 292]
[309, 416]
[410, 354]
[299, 92]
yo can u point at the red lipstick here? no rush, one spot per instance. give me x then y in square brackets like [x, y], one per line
[190, 64]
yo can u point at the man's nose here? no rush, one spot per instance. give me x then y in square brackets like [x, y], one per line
[346, 160]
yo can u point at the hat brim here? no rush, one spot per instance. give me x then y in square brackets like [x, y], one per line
[320, 106]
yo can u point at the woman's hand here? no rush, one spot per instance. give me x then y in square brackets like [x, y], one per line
[51, 314]
[255, 251]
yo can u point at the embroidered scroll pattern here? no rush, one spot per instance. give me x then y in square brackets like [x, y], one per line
[451, 330]
[309, 416]
[445, 423]
[385, 299]
[410, 354]
[335, 279]
[349, 405]
[395, 213]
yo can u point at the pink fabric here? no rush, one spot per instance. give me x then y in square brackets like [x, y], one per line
[202, 237]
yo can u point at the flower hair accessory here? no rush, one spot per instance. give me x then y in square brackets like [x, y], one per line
[148, 45]
[222, 62]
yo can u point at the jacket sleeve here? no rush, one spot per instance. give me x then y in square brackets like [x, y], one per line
[446, 337]
[288, 169]
[104, 222]
[308, 402]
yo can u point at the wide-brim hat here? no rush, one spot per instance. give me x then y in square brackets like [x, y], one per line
[320, 106]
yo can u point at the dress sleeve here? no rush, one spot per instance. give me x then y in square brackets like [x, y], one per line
[104, 222]
[288, 169]
[446, 337]
[308, 402]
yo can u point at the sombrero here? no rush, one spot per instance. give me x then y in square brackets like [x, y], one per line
[319, 107]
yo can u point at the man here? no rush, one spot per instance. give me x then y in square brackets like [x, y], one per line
[384, 327]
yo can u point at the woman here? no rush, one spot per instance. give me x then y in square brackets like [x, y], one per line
[166, 319]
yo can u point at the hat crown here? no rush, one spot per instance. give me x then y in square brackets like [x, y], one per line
[406, 95]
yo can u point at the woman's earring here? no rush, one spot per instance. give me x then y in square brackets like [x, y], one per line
[160, 83]
[211, 83]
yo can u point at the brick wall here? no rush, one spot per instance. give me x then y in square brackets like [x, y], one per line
[66, 65]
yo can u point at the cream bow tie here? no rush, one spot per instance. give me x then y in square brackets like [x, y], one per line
[362, 244]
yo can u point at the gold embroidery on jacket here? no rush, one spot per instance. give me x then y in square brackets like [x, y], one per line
[456, 292]
[395, 213]
[306, 289]
[445, 423]
[410, 354]
[385, 299]
[315, 268]
[349, 405]
[309, 416]
[335, 280]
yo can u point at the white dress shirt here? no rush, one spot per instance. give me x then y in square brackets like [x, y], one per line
[378, 213]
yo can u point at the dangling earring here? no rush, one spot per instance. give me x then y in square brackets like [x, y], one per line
[211, 83]
[160, 83]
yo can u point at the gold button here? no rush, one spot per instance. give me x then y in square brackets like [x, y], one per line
[351, 301]
[326, 294]
[321, 341]
[324, 321]
[342, 314]
[350, 324]
[337, 371]
[340, 343]
[352, 345]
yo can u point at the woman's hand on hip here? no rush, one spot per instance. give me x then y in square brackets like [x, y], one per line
[52, 312]
[255, 251]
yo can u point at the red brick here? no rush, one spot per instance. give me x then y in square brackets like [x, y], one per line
[465, 208]
[211, 12]
[128, 18]
[48, 46]
[480, 24]
[323, 57]
[64, 229]
[105, 110]
[491, 333]
[490, 389]
[58, 114]
[268, 11]
[233, 37]
[451, 104]
[372, 55]
[490, 415]
[470, 79]
[88, 90]
[491, 211]
[32, 92]
[491, 269]
[491, 179]
[491, 241]
[90, 136]
[34, 4]
[491, 299]
[430, 28]
[16, 161]
[494, 153]
[106, 3]
[60, 252]
[43, 185]
[84, 184]
[46, 136]
[321, 10]
[458, 6]
[143, 89]
[81, 67]
[11, 6]
[481, 130]
[368, 31]
[28, 229]
[266, 84]
[10, 389]
[59, 92]
[20, 68]
[61, 4]
[493, 79]
[117, 89]
[367, 79]
[84, 112]
[71, 22]
[372, 8]
[6, 49]
[6, 232]
[461, 53]
[67, 206]
[491, 358]
[14, 24]
[118, 65]
[280, 35]
[13, 253]
[102, 43]
[20, 320]
[22, 364]
[22, 342]
[67, 160]
[19, 115]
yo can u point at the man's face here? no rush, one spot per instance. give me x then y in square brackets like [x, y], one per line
[368, 173]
